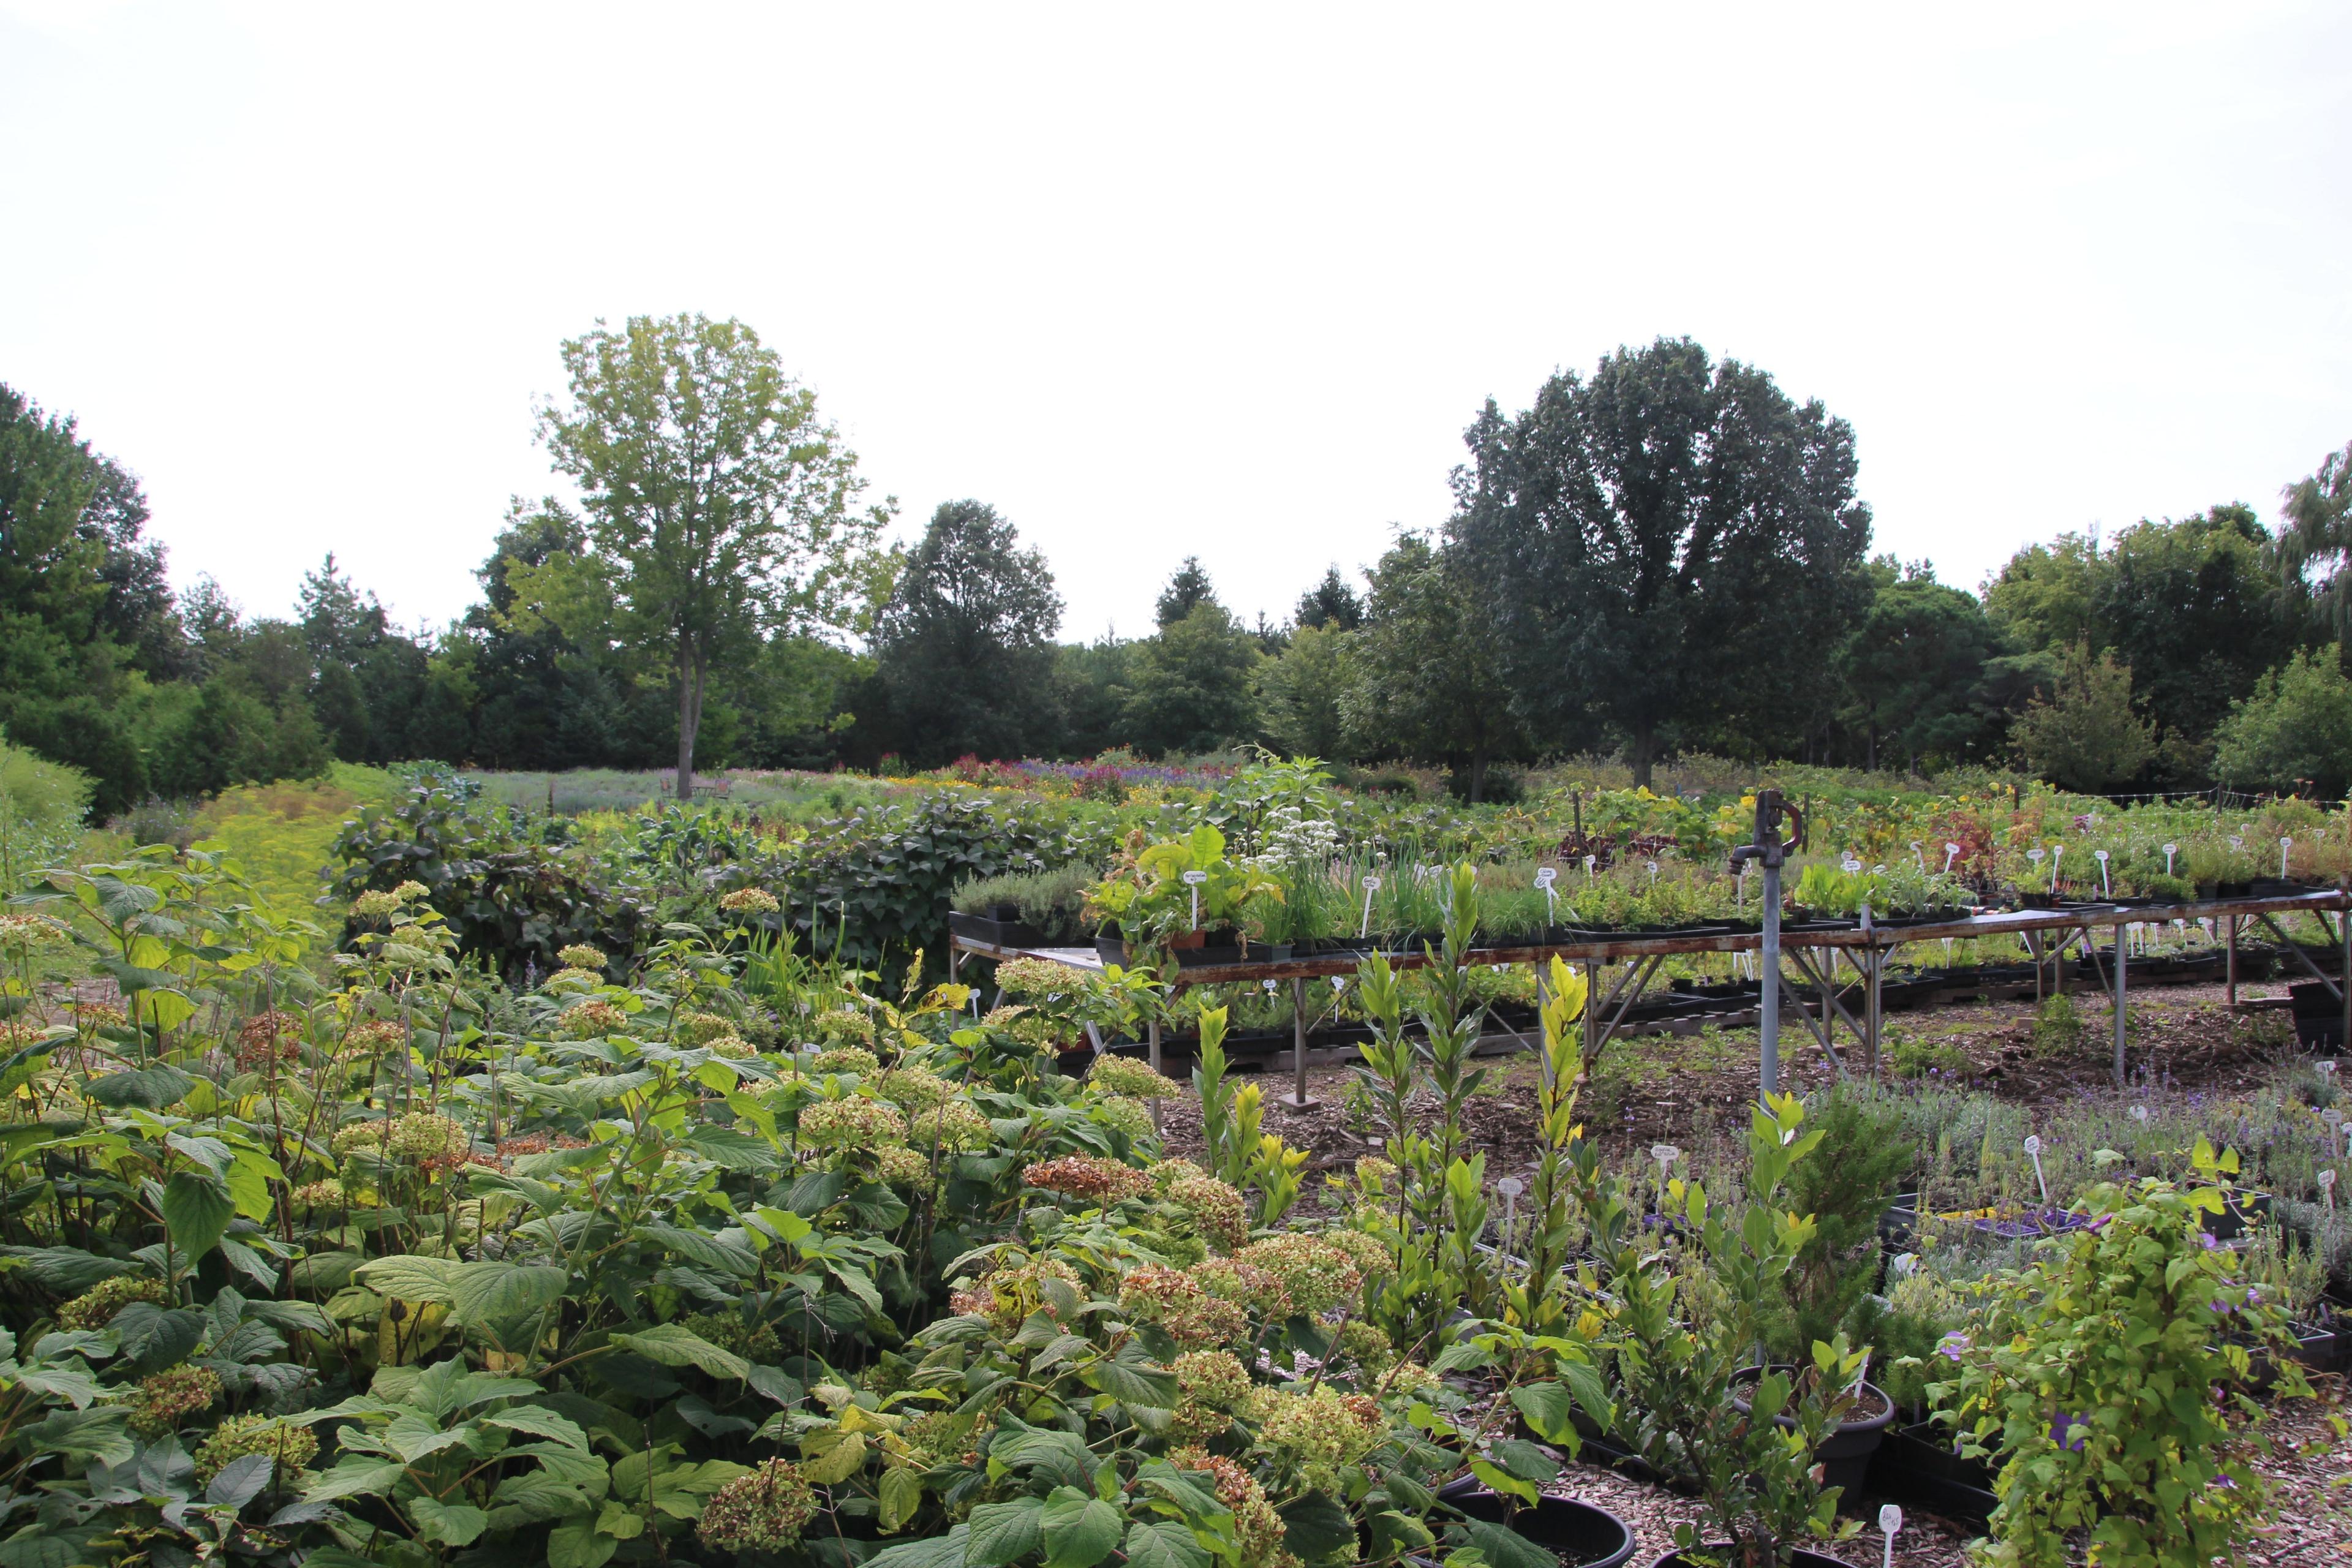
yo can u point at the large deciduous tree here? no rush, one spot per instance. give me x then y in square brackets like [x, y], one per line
[963, 647]
[724, 507]
[1429, 671]
[1921, 669]
[1670, 545]
[1192, 688]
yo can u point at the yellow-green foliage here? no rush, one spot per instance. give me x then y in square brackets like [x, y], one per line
[282, 833]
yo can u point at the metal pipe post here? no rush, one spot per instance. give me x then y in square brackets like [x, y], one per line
[2120, 1014]
[1297, 1098]
[2229, 923]
[1767, 960]
[1151, 1039]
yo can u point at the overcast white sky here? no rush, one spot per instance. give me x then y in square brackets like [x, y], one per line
[1200, 279]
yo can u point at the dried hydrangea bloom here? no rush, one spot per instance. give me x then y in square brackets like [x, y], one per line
[580, 955]
[1318, 1275]
[268, 1037]
[1134, 1080]
[1257, 1529]
[593, 1016]
[97, 1015]
[734, 1047]
[424, 1135]
[376, 904]
[853, 1121]
[1006, 1297]
[843, 1023]
[1037, 978]
[1176, 1302]
[167, 1399]
[373, 1035]
[916, 1088]
[95, 1307]
[847, 1058]
[290, 1447]
[1371, 1258]
[1364, 1345]
[1218, 1210]
[328, 1194]
[698, 1029]
[1255, 1290]
[1211, 1386]
[1325, 1432]
[358, 1135]
[904, 1167]
[23, 935]
[1031, 1030]
[762, 1511]
[749, 900]
[954, 1127]
[1127, 1116]
[1087, 1179]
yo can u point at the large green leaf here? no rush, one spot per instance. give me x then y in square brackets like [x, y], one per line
[149, 1087]
[152, 1337]
[1005, 1532]
[1164, 1543]
[673, 1344]
[1315, 1527]
[405, 1277]
[1506, 1548]
[490, 1291]
[1079, 1530]
[196, 1211]
[932, 1552]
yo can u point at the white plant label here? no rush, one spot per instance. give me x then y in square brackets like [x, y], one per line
[1849, 865]
[2327, 1189]
[1890, 1521]
[1193, 879]
[1546, 875]
[1653, 865]
[2034, 1152]
[2105, 889]
[1590, 862]
[2236, 842]
[1371, 886]
[2284, 844]
[2139, 1114]
[1918, 853]
[1951, 853]
[2169, 851]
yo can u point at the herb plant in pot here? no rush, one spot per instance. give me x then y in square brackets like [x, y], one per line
[1179, 895]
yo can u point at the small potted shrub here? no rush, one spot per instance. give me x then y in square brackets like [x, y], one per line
[1177, 894]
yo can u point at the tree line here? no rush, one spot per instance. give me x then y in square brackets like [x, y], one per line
[1665, 554]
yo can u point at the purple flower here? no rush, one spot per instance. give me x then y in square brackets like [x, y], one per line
[2069, 1432]
[2205, 1239]
[1952, 1344]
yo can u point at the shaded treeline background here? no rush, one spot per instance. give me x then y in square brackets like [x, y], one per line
[1667, 554]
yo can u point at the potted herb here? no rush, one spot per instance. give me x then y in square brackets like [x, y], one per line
[1177, 894]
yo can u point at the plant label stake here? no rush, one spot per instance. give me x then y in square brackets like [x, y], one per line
[1861, 1376]
[1371, 886]
[1890, 1523]
[2105, 889]
[1193, 879]
[2169, 850]
[1951, 853]
[2334, 1119]
[1545, 877]
[2037, 856]
[2057, 853]
[1511, 1187]
[2327, 1193]
[1918, 855]
[2139, 1114]
[1848, 864]
[1590, 862]
[2034, 1152]
[1653, 865]
[2283, 843]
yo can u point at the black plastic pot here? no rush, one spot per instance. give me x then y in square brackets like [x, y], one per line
[1801, 1558]
[1917, 1464]
[2210, 891]
[2318, 1017]
[1844, 1454]
[1001, 926]
[2238, 1211]
[1112, 949]
[1201, 957]
[1577, 1533]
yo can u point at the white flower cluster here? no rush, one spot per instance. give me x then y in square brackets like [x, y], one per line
[1292, 839]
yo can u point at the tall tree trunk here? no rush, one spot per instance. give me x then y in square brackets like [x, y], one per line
[1478, 775]
[1870, 750]
[689, 710]
[1646, 752]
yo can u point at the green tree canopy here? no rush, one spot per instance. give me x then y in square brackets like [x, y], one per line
[2087, 736]
[1192, 688]
[2315, 547]
[1333, 601]
[723, 507]
[1303, 694]
[2293, 732]
[964, 648]
[1186, 592]
[1430, 681]
[1668, 545]
[1918, 670]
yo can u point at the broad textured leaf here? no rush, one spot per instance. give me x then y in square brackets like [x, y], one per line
[1164, 1543]
[409, 1278]
[1506, 1548]
[152, 1337]
[95, 1434]
[673, 1344]
[539, 1422]
[839, 1460]
[1313, 1526]
[1005, 1532]
[901, 1495]
[483, 1292]
[448, 1524]
[240, 1480]
[1526, 1461]
[1548, 1408]
[149, 1088]
[40, 1546]
[696, 1248]
[196, 1211]
[1131, 1383]
[933, 1551]
[1079, 1531]
[355, 1478]
[578, 1545]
